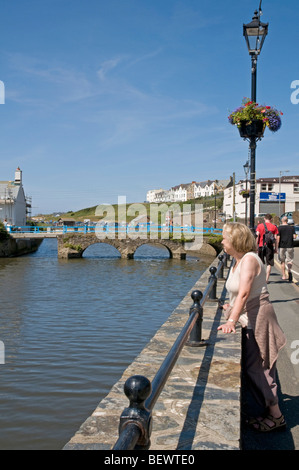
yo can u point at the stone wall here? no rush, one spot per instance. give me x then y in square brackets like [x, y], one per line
[11, 248]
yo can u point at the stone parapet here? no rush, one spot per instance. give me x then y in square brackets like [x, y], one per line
[199, 407]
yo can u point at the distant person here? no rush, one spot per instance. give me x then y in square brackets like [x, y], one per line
[6, 225]
[285, 238]
[267, 243]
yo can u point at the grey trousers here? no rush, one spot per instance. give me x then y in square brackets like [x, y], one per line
[262, 381]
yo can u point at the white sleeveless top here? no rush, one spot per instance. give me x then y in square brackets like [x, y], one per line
[259, 285]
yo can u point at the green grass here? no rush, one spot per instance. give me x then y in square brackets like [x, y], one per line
[90, 212]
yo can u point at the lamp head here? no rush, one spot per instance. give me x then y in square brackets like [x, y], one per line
[255, 34]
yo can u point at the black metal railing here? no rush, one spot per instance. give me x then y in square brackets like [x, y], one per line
[136, 420]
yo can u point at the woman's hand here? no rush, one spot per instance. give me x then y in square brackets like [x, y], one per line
[223, 306]
[228, 327]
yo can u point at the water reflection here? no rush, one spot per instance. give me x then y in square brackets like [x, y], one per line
[70, 328]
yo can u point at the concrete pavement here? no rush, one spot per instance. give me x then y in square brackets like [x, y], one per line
[295, 269]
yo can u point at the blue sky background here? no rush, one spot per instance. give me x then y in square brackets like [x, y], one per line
[116, 97]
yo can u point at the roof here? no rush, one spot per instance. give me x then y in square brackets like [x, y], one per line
[283, 179]
[66, 219]
[8, 189]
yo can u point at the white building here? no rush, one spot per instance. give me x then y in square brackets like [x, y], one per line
[267, 199]
[185, 192]
[179, 193]
[157, 195]
[209, 188]
[13, 204]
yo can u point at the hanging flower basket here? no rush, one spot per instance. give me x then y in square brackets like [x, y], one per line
[244, 193]
[252, 119]
[253, 128]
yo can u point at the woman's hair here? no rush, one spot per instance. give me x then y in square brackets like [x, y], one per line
[240, 236]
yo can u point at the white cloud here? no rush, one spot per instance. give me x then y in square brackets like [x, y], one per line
[108, 65]
[66, 84]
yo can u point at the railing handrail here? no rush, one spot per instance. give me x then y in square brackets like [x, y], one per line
[133, 430]
[178, 345]
[142, 228]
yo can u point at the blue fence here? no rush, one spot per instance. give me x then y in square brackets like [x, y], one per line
[115, 228]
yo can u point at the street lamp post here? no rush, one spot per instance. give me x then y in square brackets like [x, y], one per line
[215, 208]
[246, 169]
[279, 194]
[255, 33]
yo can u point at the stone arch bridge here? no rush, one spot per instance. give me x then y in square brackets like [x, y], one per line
[74, 245]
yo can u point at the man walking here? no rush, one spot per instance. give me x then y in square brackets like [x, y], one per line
[285, 238]
[267, 242]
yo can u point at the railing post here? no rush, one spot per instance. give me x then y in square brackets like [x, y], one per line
[195, 339]
[212, 295]
[136, 418]
[221, 260]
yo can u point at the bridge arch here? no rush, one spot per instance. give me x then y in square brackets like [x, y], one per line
[101, 250]
[149, 243]
[74, 245]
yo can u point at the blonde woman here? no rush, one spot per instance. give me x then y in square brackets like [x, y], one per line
[263, 338]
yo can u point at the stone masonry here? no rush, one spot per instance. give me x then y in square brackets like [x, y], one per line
[73, 245]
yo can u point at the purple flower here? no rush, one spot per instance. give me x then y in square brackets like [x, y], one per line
[274, 120]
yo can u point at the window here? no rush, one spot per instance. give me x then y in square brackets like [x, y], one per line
[296, 187]
[267, 187]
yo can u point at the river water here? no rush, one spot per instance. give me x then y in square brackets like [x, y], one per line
[71, 327]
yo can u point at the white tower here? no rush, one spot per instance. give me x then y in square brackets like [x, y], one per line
[18, 176]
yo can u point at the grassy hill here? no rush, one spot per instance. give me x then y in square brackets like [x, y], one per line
[90, 212]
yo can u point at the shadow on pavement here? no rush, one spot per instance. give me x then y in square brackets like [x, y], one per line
[280, 440]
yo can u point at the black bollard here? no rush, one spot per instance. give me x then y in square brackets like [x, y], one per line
[137, 388]
[195, 339]
[212, 295]
[221, 260]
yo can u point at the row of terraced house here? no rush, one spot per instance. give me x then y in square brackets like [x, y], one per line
[275, 195]
[187, 191]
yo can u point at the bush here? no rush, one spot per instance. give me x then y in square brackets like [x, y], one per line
[3, 233]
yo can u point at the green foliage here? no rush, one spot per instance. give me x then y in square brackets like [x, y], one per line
[3, 233]
[215, 241]
[73, 247]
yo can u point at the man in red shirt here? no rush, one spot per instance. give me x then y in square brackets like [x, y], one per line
[266, 251]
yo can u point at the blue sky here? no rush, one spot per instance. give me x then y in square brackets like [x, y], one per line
[115, 97]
